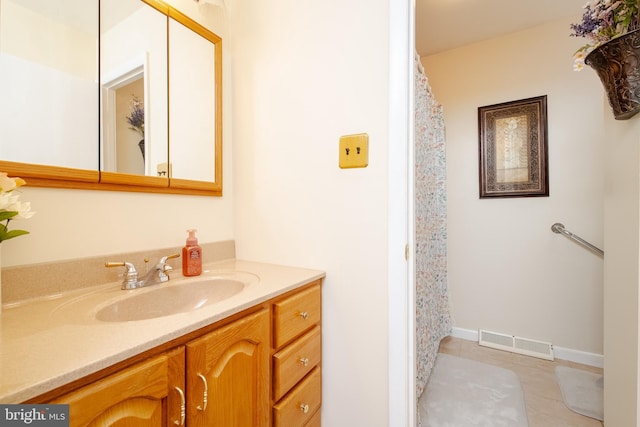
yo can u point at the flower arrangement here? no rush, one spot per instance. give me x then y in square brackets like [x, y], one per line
[604, 20]
[136, 115]
[10, 207]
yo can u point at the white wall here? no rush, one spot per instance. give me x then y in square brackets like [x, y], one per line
[306, 73]
[622, 277]
[507, 271]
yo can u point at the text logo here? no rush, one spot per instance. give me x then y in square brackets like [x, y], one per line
[34, 415]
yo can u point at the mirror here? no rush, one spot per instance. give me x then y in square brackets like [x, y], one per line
[191, 67]
[48, 81]
[134, 85]
[195, 105]
[156, 134]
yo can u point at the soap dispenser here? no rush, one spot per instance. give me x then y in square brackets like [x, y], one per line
[192, 256]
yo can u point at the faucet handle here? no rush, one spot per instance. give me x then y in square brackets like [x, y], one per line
[129, 267]
[162, 264]
[164, 259]
[163, 268]
[114, 264]
[130, 274]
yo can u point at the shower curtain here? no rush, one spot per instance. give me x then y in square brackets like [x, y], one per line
[433, 321]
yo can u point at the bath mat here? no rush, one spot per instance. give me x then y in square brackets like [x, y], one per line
[582, 391]
[465, 393]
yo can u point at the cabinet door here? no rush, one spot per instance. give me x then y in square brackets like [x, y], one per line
[143, 395]
[228, 375]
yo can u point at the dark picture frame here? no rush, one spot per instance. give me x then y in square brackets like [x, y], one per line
[513, 149]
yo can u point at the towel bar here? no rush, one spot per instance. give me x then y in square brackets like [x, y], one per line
[559, 228]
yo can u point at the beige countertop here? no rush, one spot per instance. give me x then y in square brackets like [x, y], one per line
[48, 342]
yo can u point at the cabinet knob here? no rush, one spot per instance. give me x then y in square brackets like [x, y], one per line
[203, 407]
[304, 407]
[304, 315]
[304, 361]
[182, 407]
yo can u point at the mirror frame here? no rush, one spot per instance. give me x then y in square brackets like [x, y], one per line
[60, 177]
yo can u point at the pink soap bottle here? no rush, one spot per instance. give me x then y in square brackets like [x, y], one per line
[192, 256]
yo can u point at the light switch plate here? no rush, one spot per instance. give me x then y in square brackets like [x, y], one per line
[163, 169]
[354, 151]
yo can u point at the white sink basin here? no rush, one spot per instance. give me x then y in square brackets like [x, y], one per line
[183, 295]
[164, 301]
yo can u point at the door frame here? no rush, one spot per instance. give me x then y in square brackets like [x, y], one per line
[401, 279]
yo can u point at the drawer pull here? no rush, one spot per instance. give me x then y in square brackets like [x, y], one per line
[304, 361]
[203, 407]
[182, 407]
[304, 408]
[304, 315]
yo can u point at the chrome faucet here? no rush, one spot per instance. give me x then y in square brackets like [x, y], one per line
[157, 274]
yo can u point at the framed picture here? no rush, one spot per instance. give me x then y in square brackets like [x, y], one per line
[513, 149]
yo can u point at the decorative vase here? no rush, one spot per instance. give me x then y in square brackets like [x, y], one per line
[141, 146]
[617, 63]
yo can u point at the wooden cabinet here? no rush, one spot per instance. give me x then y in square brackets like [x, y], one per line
[227, 384]
[228, 375]
[261, 369]
[297, 345]
[146, 394]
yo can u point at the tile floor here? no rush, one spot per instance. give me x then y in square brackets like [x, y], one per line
[543, 399]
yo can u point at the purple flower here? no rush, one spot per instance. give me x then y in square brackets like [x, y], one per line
[604, 20]
[136, 116]
[588, 25]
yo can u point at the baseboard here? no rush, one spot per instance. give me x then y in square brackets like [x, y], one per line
[465, 334]
[577, 356]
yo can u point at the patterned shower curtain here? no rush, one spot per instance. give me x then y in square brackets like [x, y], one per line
[433, 321]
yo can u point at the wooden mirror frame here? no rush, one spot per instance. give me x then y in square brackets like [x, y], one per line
[60, 177]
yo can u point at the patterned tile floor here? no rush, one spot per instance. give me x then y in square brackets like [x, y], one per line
[543, 399]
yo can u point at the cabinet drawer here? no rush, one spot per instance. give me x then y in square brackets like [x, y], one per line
[296, 314]
[314, 421]
[295, 361]
[301, 404]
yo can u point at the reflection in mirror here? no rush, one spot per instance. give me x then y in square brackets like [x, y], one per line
[192, 107]
[129, 116]
[48, 82]
[133, 80]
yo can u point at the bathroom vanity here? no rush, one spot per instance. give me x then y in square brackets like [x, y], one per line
[250, 359]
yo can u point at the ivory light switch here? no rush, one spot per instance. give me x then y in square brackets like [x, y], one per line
[354, 151]
[163, 169]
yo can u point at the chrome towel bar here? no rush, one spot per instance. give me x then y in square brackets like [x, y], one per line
[559, 228]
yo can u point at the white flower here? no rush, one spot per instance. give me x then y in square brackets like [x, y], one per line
[23, 209]
[578, 60]
[10, 207]
[9, 184]
[7, 200]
